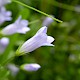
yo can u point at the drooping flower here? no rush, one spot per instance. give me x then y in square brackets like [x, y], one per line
[4, 15]
[3, 2]
[13, 68]
[19, 26]
[47, 21]
[3, 44]
[31, 67]
[38, 40]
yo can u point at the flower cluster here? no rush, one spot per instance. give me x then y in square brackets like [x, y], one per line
[21, 26]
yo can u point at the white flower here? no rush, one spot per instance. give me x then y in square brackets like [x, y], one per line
[13, 68]
[3, 2]
[38, 40]
[30, 67]
[3, 44]
[4, 15]
[47, 21]
[19, 26]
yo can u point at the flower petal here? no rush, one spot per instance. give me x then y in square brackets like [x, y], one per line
[24, 22]
[33, 43]
[3, 2]
[23, 30]
[47, 44]
[42, 30]
[8, 30]
[50, 39]
[8, 13]
[18, 20]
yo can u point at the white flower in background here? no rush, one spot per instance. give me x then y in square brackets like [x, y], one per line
[4, 15]
[3, 2]
[13, 68]
[31, 67]
[3, 44]
[47, 21]
[38, 40]
[19, 26]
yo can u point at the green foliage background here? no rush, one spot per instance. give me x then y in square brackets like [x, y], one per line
[61, 62]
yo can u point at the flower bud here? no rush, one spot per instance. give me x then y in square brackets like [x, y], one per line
[3, 44]
[30, 67]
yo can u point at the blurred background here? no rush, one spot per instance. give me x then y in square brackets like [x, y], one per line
[61, 62]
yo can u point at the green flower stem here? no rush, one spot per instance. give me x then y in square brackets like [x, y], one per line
[34, 21]
[25, 5]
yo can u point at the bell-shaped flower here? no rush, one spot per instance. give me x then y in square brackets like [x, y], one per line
[3, 2]
[47, 21]
[19, 26]
[30, 67]
[4, 15]
[38, 40]
[3, 44]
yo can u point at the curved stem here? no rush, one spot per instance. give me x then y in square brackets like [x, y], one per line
[25, 5]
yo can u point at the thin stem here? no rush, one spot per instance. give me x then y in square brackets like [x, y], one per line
[25, 5]
[33, 22]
